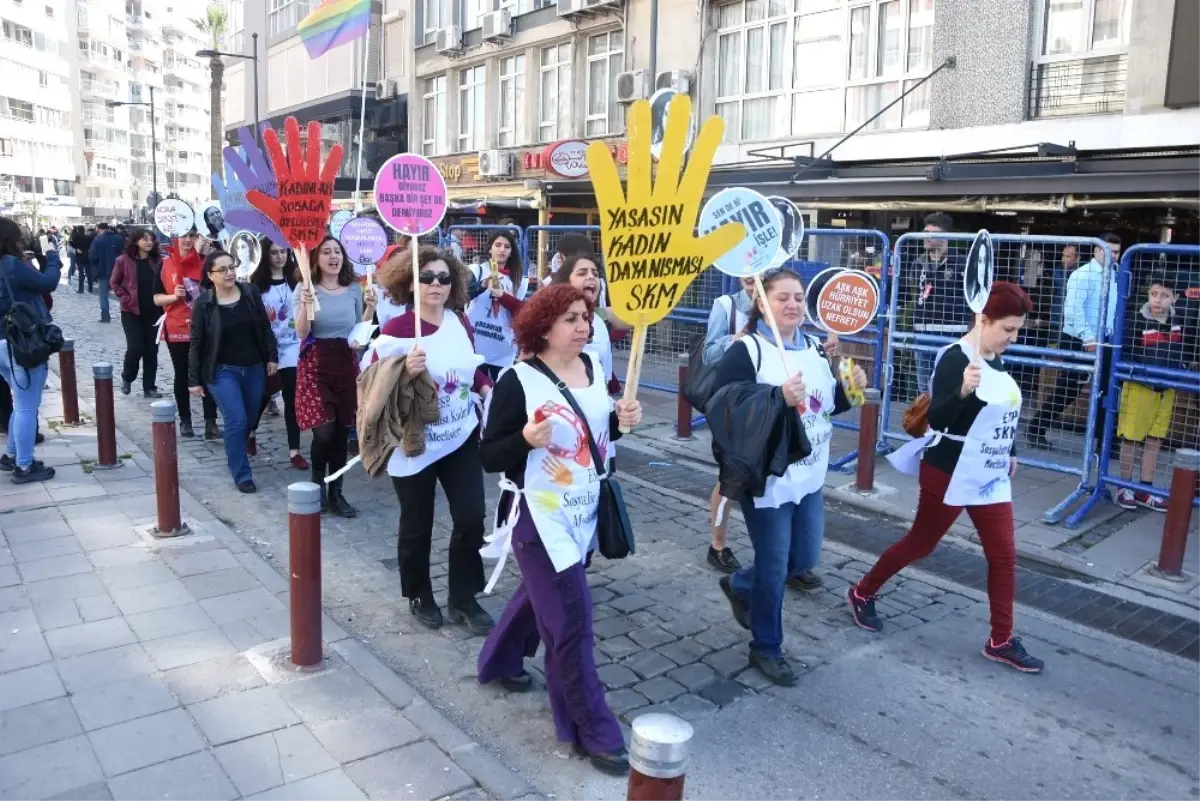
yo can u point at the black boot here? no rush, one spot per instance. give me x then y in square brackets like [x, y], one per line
[319, 480]
[185, 429]
[337, 501]
[474, 616]
[211, 431]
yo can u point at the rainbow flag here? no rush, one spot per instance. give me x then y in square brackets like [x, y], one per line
[334, 23]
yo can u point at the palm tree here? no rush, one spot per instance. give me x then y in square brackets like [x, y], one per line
[215, 24]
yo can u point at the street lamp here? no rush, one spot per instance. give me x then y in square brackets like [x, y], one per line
[253, 57]
[153, 135]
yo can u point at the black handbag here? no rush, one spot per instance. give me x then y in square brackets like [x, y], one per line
[30, 340]
[614, 532]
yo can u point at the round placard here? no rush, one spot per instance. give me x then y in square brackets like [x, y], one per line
[845, 303]
[246, 251]
[338, 221]
[365, 242]
[174, 217]
[764, 229]
[410, 194]
[793, 229]
[660, 102]
[980, 271]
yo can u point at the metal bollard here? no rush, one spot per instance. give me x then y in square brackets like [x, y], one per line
[868, 429]
[106, 422]
[658, 757]
[166, 470]
[1179, 514]
[66, 382]
[304, 544]
[683, 409]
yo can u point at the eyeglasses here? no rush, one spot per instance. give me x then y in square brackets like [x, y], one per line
[429, 277]
[228, 268]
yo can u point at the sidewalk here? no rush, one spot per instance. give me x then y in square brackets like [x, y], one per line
[132, 667]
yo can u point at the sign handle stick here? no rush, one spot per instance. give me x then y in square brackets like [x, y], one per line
[633, 374]
[761, 292]
[306, 277]
[416, 293]
[978, 339]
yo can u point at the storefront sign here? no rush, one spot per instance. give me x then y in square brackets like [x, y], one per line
[536, 159]
[567, 158]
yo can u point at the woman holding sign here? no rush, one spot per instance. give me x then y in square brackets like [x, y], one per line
[787, 522]
[550, 422]
[451, 453]
[492, 313]
[968, 460]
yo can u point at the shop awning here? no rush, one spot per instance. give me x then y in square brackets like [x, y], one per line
[511, 197]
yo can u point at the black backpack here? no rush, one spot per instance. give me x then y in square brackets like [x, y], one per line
[698, 388]
[31, 341]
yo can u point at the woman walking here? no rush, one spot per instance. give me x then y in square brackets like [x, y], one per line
[178, 287]
[968, 460]
[326, 394]
[536, 439]
[786, 522]
[23, 284]
[491, 314]
[451, 454]
[276, 278]
[233, 351]
[134, 277]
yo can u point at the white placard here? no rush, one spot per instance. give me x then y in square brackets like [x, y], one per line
[764, 230]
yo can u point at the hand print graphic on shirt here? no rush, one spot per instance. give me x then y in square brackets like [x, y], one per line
[558, 472]
[547, 501]
[602, 447]
[988, 489]
[578, 450]
[816, 403]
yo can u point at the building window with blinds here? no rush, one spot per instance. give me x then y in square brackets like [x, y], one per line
[1082, 60]
[510, 122]
[605, 57]
[433, 116]
[554, 98]
[471, 85]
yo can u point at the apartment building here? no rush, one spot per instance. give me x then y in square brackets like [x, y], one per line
[328, 89]
[37, 170]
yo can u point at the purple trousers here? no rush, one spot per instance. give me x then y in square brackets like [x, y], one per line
[554, 608]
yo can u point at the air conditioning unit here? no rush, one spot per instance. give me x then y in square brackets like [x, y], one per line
[679, 80]
[570, 8]
[495, 164]
[385, 89]
[632, 86]
[449, 40]
[497, 25]
[597, 4]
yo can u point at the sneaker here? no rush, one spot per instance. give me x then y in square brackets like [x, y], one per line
[7, 463]
[151, 394]
[247, 487]
[126, 386]
[1151, 502]
[426, 611]
[808, 581]
[1013, 654]
[185, 429]
[723, 560]
[741, 609]
[777, 669]
[35, 472]
[473, 615]
[863, 610]
[615, 763]
[299, 462]
[39, 438]
[1125, 499]
[520, 683]
[211, 431]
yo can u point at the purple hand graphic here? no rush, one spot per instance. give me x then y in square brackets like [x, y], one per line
[247, 169]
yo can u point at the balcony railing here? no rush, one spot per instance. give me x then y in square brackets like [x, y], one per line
[1078, 87]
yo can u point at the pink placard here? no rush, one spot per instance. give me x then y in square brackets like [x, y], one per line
[410, 194]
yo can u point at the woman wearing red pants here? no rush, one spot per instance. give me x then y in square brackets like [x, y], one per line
[967, 460]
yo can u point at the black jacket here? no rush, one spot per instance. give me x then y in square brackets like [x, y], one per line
[206, 334]
[755, 435]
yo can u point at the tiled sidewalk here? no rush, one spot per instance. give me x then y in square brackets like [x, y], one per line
[132, 667]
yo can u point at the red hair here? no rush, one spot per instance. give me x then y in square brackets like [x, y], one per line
[539, 314]
[1007, 300]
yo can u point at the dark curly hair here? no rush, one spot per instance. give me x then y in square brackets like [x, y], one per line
[540, 312]
[395, 274]
[131, 244]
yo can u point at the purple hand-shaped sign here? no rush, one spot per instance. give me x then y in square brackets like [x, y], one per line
[246, 169]
[365, 242]
[410, 194]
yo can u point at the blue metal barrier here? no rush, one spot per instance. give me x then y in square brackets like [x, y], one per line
[472, 239]
[1124, 370]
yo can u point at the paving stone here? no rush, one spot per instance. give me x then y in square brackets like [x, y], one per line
[617, 647]
[648, 664]
[88, 637]
[685, 625]
[724, 692]
[96, 607]
[191, 564]
[211, 678]
[660, 689]
[815, 629]
[904, 621]
[95, 791]
[414, 771]
[612, 627]
[104, 667]
[64, 589]
[616, 676]
[754, 680]
[52, 567]
[122, 701]
[630, 603]
[727, 662]
[692, 708]
[651, 638]
[624, 587]
[935, 611]
[29, 686]
[888, 609]
[921, 588]
[684, 652]
[51, 529]
[37, 724]
[196, 777]
[145, 741]
[9, 577]
[381, 677]
[239, 605]
[269, 760]
[331, 695]
[495, 778]
[106, 531]
[21, 649]
[243, 635]
[332, 786]
[151, 597]
[15, 598]
[43, 549]
[955, 601]
[622, 701]
[137, 574]
[693, 676]
[232, 717]
[602, 595]
[49, 769]
[121, 555]
[368, 733]
[220, 582]
[718, 637]
[169, 622]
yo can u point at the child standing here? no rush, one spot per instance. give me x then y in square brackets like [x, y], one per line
[1154, 338]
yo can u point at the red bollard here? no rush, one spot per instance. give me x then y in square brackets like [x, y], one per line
[166, 470]
[66, 382]
[683, 409]
[1179, 514]
[106, 421]
[658, 757]
[304, 545]
[868, 433]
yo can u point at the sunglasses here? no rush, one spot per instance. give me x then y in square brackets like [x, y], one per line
[429, 277]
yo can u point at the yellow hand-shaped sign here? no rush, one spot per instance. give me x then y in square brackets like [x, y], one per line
[651, 252]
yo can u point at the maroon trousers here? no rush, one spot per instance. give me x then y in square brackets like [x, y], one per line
[994, 522]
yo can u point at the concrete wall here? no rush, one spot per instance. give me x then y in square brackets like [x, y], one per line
[1149, 54]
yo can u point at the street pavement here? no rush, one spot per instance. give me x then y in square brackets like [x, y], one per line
[915, 712]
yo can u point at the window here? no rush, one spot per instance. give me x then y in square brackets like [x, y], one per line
[510, 123]
[554, 100]
[18, 33]
[433, 116]
[891, 41]
[752, 48]
[470, 108]
[1082, 64]
[473, 13]
[605, 58]
[437, 16]
[50, 12]
[19, 110]
[285, 14]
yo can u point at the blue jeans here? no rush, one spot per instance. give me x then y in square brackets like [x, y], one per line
[103, 284]
[26, 386]
[787, 542]
[238, 392]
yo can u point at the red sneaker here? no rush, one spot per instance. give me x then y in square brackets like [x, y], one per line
[1151, 502]
[299, 462]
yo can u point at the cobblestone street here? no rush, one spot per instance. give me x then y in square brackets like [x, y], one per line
[665, 638]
